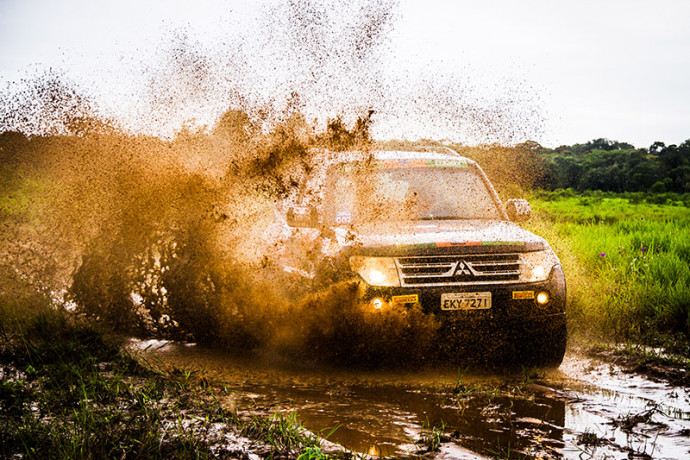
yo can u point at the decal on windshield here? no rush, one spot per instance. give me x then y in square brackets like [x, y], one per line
[343, 217]
[465, 243]
[480, 243]
[420, 164]
[446, 164]
[386, 164]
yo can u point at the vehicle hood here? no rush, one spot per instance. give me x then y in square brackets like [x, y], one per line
[461, 236]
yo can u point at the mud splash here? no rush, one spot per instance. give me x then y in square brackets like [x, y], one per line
[167, 236]
[168, 239]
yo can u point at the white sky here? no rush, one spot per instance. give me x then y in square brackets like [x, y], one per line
[615, 69]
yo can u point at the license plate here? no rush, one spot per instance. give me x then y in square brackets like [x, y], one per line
[466, 301]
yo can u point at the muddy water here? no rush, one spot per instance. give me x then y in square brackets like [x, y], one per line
[481, 415]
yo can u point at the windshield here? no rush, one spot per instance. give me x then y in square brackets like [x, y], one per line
[358, 194]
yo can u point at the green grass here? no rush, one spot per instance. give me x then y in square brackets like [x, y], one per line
[67, 392]
[431, 437]
[626, 261]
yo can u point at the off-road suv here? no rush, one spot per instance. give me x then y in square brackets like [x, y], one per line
[428, 228]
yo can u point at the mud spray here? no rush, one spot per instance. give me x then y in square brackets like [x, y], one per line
[172, 236]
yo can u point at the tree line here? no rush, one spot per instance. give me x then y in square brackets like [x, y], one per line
[600, 164]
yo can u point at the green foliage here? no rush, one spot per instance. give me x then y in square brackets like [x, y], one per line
[626, 261]
[283, 433]
[312, 453]
[619, 167]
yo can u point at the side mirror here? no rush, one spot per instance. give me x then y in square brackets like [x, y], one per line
[518, 210]
[303, 217]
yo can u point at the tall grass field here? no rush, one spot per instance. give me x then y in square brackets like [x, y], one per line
[627, 262]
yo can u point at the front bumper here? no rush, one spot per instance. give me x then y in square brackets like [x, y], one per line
[506, 304]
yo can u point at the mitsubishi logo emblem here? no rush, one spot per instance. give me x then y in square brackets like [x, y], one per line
[463, 269]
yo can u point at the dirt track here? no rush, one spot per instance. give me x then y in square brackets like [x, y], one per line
[585, 409]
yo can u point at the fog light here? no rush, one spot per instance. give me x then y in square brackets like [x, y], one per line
[542, 298]
[377, 303]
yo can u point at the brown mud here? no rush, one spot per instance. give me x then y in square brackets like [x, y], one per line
[661, 367]
[587, 408]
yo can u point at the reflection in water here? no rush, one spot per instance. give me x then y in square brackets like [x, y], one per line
[384, 414]
[375, 451]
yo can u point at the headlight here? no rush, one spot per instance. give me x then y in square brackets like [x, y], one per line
[536, 266]
[376, 271]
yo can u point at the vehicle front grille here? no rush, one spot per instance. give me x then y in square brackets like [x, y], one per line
[459, 269]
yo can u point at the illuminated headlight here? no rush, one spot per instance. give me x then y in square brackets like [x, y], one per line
[536, 266]
[376, 271]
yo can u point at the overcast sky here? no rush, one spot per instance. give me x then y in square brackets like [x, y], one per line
[587, 69]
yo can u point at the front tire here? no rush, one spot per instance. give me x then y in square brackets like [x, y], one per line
[545, 345]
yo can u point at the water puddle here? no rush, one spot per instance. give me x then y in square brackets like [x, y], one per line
[585, 409]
